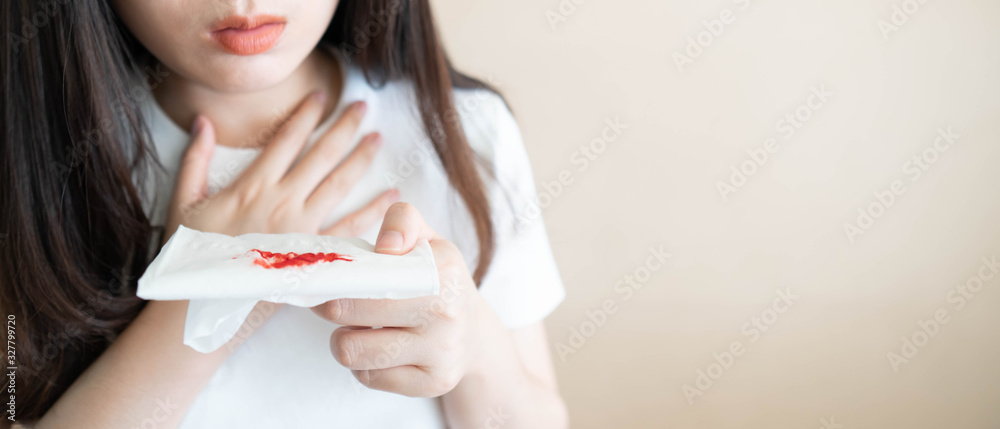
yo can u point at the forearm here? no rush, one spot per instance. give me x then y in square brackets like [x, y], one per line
[493, 401]
[147, 373]
[499, 391]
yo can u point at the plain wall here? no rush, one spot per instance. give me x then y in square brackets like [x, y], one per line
[824, 360]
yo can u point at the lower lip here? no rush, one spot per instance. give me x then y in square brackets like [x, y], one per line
[251, 41]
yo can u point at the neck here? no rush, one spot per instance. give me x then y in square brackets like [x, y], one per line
[250, 119]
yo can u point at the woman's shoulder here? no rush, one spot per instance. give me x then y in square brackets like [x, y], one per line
[482, 114]
[488, 123]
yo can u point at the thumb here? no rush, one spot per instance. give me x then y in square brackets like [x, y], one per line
[401, 229]
[192, 179]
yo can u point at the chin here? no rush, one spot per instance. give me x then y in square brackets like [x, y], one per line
[246, 75]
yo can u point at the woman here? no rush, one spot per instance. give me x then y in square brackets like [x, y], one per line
[311, 116]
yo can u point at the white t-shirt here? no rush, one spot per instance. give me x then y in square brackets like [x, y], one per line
[284, 375]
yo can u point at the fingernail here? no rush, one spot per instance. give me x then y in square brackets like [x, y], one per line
[394, 195]
[197, 125]
[361, 106]
[376, 140]
[320, 97]
[391, 241]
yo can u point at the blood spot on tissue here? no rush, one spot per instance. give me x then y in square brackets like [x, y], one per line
[284, 260]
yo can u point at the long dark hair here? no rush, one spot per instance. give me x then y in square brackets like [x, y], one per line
[75, 236]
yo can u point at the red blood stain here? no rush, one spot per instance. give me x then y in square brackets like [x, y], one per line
[283, 260]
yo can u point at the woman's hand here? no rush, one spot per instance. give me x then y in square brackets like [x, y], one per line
[272, 197]
[452, 345]
[426, 346]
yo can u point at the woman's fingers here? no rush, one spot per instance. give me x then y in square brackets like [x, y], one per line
[323, 156]
[402, 228]
[192, 179]
[339, 183]
[407, 380]
[367, 348]
[406, 313]
[355, 224]
[394, 360]
[278, 155]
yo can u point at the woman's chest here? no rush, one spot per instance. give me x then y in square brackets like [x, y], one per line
[406, 161]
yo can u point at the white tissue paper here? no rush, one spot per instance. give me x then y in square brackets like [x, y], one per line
[224, 277]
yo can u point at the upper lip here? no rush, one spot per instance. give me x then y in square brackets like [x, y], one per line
[240, 22]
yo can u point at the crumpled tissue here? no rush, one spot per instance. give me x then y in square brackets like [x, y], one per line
[223, 277]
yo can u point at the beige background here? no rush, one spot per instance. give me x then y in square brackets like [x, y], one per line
[826, 357]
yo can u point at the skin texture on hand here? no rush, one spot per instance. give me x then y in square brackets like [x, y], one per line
[451, 345]
[271, 196]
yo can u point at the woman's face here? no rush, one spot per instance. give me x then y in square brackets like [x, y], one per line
[229, 45]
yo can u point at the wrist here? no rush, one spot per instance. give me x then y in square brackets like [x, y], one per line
[495, 361]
